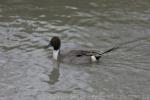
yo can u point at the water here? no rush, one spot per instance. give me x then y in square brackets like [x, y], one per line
[27, 71]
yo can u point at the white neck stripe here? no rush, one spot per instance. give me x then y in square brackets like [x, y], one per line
[55, 54]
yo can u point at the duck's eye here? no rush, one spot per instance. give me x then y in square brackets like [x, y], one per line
[79, 55]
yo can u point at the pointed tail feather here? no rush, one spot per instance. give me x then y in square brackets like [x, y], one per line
[109, 50]
[106, 51]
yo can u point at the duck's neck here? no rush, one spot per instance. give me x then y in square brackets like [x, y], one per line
[56, 54]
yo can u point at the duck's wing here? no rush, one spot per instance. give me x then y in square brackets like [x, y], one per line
[79, 53]
[78, 56]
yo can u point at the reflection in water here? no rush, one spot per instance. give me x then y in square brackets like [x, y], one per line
[54, 74]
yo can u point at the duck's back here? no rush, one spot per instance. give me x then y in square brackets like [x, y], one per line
[77, 56]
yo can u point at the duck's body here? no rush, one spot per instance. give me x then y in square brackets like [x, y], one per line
[76, 56]
[79, 56]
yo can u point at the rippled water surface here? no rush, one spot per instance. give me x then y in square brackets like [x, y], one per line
[27, 71]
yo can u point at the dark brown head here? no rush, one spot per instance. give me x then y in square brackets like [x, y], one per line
[55, 43]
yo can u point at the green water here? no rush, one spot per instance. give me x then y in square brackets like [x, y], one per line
[27, 71]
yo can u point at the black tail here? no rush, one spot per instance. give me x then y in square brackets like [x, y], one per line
[106, 51]
[109, 50]
[122, 44]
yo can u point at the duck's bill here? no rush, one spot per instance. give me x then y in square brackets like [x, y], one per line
[49, 45]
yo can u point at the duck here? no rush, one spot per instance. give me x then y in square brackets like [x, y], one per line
[75, 56]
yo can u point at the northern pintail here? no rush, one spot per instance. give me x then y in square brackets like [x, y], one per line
[74, 56]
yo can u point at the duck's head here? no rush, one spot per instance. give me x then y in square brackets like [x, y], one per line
[55, 43]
